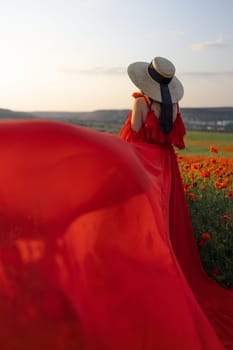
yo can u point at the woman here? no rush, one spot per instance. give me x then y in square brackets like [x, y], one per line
[96, 246]
[155, 122]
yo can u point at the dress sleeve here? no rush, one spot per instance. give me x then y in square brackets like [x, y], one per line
[178, 133]
[128, 134]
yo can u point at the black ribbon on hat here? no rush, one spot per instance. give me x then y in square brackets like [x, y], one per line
[166, 115]
[156, 76]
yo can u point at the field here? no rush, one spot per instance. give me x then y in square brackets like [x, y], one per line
[207, 172]
[198, 143]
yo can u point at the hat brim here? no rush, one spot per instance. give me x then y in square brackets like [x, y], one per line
[138, 73]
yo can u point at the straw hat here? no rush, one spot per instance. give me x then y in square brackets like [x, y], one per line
[149, 77]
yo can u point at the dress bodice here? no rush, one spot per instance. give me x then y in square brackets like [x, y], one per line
[151, 132]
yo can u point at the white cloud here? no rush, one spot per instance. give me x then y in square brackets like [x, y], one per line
[206, 45]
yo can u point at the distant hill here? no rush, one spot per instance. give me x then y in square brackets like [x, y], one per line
[208, 114]
[8, 114]
[101, 115]
[216, 119]
[204, 114]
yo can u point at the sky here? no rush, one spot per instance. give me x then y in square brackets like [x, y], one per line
[72, 55]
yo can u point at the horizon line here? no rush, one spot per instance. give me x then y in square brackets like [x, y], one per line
[100, 109]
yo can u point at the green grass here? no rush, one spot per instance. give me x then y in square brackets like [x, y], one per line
[198, 143]
[210, 136]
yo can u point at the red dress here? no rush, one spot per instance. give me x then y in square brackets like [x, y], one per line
[96, 247]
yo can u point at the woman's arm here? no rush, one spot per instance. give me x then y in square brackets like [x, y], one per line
[137, 114]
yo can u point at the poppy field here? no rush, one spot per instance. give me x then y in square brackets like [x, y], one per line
[208, 186]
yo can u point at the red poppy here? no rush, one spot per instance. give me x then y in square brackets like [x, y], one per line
[224, 185]
[187, 167]
[186, 187]
[203, 188]
[213, 149]
[205, 173]
[191, 196]
[220, 185]
[225, 217]
[229, 193]
[215, 272]
[192, 176]
[196, 166]
[205, 236]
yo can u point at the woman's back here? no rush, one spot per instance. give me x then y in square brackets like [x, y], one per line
[142, 105]
[144, 125]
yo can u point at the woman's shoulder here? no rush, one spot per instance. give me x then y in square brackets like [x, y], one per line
[141, 101]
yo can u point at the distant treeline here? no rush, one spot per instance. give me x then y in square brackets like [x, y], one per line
[212, 119]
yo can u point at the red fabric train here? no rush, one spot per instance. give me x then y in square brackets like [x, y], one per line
[96, 246]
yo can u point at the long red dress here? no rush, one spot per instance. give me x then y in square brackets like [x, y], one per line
[96, 246]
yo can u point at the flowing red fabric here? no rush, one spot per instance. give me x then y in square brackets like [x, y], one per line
[96, 246]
